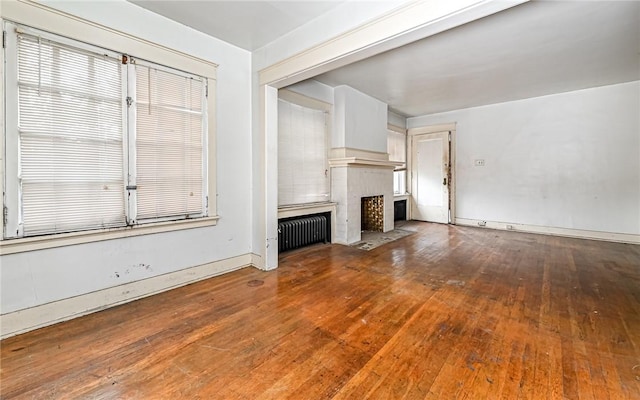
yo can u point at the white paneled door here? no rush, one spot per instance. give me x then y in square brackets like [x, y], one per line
[430, 177]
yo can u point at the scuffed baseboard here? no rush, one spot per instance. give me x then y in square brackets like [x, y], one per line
[554, 231]
[22, 321]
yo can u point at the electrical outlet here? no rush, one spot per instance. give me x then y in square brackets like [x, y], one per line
[479, 162]
[482, 223]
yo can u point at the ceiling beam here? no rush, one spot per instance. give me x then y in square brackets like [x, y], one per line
[414, 21]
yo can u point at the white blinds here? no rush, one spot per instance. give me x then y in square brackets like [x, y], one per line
[302, 155]
[396, 146]
[95, 139]
[70, 133]
[169, 144]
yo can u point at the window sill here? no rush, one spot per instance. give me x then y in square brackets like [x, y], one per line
[12, 246]
[304, 209]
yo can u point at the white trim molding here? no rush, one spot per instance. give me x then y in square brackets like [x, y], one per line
[362, 162]
[345, 156]
[11, 246]
[553, 231]
[396, 128]
[21, 321]
[348, 152]
[302, 100]
[431, 129]
[305, 209]
[257, 261]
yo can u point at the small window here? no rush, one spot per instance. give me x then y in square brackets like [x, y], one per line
[397, 149]
[399, 182]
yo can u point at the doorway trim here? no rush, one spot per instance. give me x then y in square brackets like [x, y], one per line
[411, 21]
[451, 128]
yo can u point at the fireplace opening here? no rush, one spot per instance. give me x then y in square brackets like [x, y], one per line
[372, 213]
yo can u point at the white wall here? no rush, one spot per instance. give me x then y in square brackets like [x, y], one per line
[313, 89]
[396, 119]
[360, 121]
[34, 278]
[320, 91]
[569, 160]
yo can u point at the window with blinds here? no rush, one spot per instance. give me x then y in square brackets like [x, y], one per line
[303, 171]
[397, 149]
[169, 144]
[95, 141]
[70, 133]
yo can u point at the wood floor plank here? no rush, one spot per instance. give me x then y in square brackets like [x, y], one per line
[445, 313]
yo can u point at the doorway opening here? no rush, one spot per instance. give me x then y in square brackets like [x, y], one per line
[432, 174]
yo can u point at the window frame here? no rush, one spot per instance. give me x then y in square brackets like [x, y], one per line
[40, 17]
[319, 105]
[131, 152]
[393, 129]
[12, 190]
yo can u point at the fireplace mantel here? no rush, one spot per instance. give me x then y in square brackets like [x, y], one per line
[348, 157]
[362, 162]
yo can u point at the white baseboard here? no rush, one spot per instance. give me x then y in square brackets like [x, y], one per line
[48, 314]
[554, 231]
[257, 261]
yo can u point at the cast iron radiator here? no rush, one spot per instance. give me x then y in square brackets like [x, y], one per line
[302, 231]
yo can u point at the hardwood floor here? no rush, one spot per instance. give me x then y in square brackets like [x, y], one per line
[446, 313]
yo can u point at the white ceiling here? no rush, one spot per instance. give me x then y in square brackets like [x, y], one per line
[246, 24]
[534, 49]
[537, 48]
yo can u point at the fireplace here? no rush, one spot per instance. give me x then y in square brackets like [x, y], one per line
[372, 213]
[362, 188]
